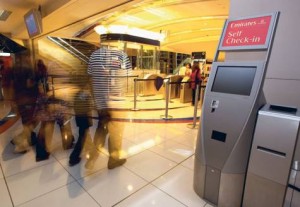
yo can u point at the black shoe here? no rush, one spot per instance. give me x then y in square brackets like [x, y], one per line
[42, 158]
[73, 162]
[113, 163]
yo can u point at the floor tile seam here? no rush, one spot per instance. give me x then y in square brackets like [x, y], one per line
[152, 182]
[194, 125]
[98, 171]
[133, 141]
[137, 153]
[162, 156]
[135, 132]
[175, 134]
[132, 171]
[91, 173]
[87, 192]
[41, 195]
[176, 164]
[186, 123]
[187, 145]
[145, 148]
[192, 130]
[182, 130]
[77, 180]
[45, 192]
[128, 196]
[6, 184]
[169, 195]
[64, 168]
[148, 184]
[179, 164]
[49, 162]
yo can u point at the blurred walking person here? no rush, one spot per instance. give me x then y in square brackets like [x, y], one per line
[106, 67]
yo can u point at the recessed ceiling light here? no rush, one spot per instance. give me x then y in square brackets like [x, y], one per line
[4, 14]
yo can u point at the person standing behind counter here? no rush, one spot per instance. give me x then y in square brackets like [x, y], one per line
[186, 70]
[195, 80]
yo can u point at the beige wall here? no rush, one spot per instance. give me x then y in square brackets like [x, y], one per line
[282, 83]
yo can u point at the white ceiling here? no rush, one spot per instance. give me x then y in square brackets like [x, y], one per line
[189, 24]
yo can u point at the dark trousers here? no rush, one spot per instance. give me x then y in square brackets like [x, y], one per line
[83, 124]
[44, 136]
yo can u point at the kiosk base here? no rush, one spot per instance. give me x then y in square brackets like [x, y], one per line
[221, 189]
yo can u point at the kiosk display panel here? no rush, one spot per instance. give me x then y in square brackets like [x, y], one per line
[234, 80]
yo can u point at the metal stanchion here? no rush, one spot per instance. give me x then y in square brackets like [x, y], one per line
[135, 94]
[202, 90]
[166, 116]
[193, 125]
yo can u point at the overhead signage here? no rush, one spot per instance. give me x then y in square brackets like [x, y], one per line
[247, 33]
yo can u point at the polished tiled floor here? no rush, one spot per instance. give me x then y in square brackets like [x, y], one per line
[158, 171]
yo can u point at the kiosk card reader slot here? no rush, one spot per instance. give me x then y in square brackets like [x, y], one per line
[232, 98]
[214, 105]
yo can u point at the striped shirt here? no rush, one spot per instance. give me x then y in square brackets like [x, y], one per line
[108, 69]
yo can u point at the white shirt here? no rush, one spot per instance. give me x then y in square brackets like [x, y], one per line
[108, 68]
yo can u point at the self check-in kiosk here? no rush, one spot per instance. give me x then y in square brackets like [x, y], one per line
[232, 98]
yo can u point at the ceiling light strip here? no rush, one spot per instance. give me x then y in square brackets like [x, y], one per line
[123, 29]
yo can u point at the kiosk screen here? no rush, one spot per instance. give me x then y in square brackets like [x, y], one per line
[234, 80]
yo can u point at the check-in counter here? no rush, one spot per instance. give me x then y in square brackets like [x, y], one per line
[185, 90]
[174, 90]
[151, 85]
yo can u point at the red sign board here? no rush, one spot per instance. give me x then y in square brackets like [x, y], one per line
[247, 32]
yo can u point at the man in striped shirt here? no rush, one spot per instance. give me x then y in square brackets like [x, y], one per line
[107, 68]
